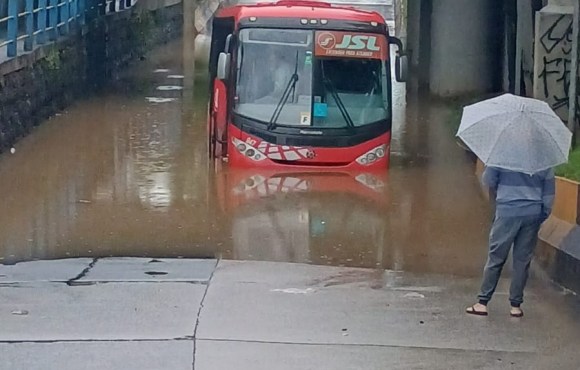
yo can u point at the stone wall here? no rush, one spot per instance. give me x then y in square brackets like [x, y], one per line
[33, 93]
[35, 86]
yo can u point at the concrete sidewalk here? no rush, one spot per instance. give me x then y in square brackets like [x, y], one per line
[134, 313]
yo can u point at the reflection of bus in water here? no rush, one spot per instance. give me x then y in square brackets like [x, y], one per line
[303, 217]
[301, 84]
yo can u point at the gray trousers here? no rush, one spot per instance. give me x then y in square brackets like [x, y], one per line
[522, 233]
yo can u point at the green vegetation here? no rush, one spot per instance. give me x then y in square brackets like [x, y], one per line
[53, 66]
[455, 117]
[571, 170]
[53, 59]
[140, 30]
[457, 105]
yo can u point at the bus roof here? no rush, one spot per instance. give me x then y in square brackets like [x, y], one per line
[299, 9]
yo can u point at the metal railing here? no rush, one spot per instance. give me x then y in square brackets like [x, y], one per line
[38, 21]
[27, 23]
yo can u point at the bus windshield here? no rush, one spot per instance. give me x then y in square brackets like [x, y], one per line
[287, 78]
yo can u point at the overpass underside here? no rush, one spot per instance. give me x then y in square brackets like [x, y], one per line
[458, 47]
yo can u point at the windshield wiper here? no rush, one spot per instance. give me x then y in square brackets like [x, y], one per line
[284, 99]
[339, 102]
[329, 86]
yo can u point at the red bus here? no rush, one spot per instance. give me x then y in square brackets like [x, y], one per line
[301, 84]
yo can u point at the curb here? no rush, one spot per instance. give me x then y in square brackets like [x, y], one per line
[558, 252]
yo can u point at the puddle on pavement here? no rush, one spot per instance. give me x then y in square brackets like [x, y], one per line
[126, 174]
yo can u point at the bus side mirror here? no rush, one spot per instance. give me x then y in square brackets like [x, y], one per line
[401, 68]
[223, 67]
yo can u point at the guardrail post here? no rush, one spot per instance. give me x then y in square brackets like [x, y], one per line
[89, 10]
[74, 11]
[53, 20]
[64, 17]
[12, 28]
[82, 8]
[29, 41]
[41, 22]
[93, 9]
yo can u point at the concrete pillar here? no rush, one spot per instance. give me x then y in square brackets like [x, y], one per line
[413, 23]
[418, 43]
[524, 69]
[400, 10]
[553, 57]
[509, 45]
[464, 47]
[204, 12]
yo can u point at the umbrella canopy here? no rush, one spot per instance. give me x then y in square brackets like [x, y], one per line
[515, 133]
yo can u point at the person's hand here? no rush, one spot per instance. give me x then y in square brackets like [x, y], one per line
[544, 217]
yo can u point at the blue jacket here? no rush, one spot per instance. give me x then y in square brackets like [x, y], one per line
[519, 194]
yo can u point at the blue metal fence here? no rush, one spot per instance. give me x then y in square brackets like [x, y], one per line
[38, 21]
[27, 23]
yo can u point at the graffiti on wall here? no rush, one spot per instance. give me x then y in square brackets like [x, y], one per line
[554, 73]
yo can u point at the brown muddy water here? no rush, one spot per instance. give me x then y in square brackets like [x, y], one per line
[126, 174]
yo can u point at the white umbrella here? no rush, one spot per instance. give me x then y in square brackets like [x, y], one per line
[515, 133]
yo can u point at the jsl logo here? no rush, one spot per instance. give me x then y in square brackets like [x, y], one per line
[358, 42]
[327, 41]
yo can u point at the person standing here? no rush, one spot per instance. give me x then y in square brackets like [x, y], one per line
[523, 202]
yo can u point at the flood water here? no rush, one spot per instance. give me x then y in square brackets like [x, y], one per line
[126, 174]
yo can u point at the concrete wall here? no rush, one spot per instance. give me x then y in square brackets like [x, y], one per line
[463, 47]
[35, 86]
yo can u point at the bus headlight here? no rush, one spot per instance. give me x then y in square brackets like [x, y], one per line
[247, 150]
[372, 155]
[380, 152]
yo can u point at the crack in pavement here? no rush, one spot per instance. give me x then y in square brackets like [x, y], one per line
[83, 273]
[98, 282]
[362, 345]
[199, 312]
[48, 341]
